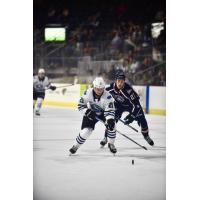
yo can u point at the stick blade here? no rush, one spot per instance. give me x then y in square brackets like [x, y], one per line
[145, 148]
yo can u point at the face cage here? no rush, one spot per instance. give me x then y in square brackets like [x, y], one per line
[99, 90]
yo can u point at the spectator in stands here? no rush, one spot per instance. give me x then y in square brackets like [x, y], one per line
[99, 35]
[111, 73]
[134, 66]
[128, 44]
[147, 62]
[90, 36]
[51, 16]
[125, 66]
[87, 50]
[64, 16]
[116, 41]
[161, 79]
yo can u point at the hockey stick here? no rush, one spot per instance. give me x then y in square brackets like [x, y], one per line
[97, 108]
[132, 140]
[61, 86]
[129, 125]
[125, 135]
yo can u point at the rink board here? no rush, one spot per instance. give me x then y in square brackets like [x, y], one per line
[153, 103]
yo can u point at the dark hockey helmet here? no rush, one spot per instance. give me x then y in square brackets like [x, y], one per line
[120, 74]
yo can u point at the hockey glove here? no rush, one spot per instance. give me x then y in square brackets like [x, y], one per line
[52, 87]
[129, 118]
[90, 114]
[110, 124]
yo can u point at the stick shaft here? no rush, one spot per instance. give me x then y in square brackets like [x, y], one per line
[131, 140]
[125, 136]
[128, 125]
[62, 86]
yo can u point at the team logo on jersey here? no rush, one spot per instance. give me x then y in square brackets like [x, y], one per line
[81, 100]
[119, 98]
[39, 86]
[129, 91]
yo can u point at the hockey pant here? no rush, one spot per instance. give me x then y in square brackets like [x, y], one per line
[38, 100]
[87, 127]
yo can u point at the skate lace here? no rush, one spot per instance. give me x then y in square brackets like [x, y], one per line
[105, 139]
[112, 146]
[148, 139]
[74, 147]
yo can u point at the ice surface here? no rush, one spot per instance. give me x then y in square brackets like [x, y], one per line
[93, 173]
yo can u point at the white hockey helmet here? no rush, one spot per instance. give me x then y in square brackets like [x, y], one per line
[41, 71]
[99, 83]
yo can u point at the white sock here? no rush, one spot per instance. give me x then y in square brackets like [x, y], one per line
[83, 135]
[39, 104]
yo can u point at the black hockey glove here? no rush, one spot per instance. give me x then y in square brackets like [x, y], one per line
[52, 87]
[110, 124]
[129, 118]
[90, 114]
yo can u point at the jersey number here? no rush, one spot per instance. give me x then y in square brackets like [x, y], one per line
[132, 97]
[110, 105]
[81, 100]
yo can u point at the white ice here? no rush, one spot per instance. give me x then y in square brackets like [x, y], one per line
[93, 173]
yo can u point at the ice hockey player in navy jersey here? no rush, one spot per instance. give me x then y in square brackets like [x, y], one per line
[127, 100]
[92, 98]
[40, 84]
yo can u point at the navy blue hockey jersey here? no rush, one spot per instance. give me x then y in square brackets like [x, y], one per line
[126, 98]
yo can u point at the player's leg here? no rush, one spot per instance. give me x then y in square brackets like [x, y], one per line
[34, 99]
[118, 114]
[86, 129]
[34, 102]
[39, 103]
[38, 106]
[111, 135]
[144, 129]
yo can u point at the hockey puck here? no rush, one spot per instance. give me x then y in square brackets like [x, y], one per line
[132, 162]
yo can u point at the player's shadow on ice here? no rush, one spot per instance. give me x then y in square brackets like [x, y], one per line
[159, 147]
[151, 157]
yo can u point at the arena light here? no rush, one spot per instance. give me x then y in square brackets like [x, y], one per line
[156, 29]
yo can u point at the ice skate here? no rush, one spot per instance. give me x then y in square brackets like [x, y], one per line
[103, 142]
[73, 150]
[37, 112]
[112, 148]
[149, 140]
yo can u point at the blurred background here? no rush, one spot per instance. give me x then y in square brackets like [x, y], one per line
[74, 41]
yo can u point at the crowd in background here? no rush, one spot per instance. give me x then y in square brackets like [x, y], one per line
[112, 32]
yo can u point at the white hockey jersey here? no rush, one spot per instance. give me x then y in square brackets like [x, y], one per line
[40, 85]
[105, 103]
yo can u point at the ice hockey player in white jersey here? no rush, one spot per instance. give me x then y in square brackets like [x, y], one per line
[40, 84]
[101, 98]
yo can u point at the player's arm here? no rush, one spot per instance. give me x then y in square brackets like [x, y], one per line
[84, 106]
[109, 113]
[137, 108]
[136, 102]
[52, 87]
[34, 83]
